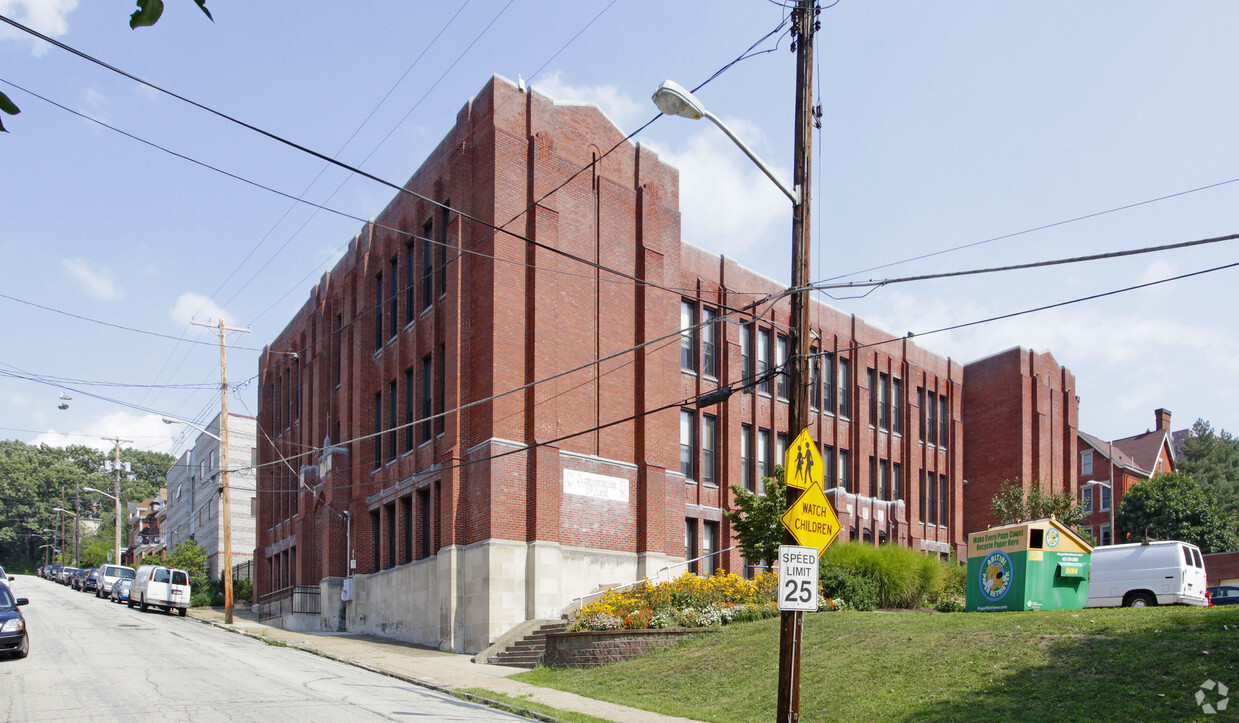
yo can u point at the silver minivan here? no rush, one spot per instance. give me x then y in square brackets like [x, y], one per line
[109, 575]
[162, 587]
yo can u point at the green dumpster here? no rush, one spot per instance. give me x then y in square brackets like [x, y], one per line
[1035, 565]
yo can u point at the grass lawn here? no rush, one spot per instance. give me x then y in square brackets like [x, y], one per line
[1087, 665]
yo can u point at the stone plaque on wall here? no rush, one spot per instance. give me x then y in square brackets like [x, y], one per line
[599, 486]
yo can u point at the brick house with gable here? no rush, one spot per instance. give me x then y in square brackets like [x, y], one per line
[1108, 470]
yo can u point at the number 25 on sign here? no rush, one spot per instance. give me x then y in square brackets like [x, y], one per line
[798, 578]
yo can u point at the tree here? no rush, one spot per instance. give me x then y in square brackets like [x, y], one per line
[1212, 459]
[1175, 507]
[756, 521]
[192, 558]
[147, 14]
[1012, 505]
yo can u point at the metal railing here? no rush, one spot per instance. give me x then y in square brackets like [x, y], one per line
[306, 599]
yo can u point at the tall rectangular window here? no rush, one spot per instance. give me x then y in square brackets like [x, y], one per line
[1105, 497]
[845, 388]
[931, 418]
[711, 351]
[884, 479]
[931, 506]
[780, 448]
[746, 456]
[828, 466]
[393, 300]
[688, 335]
[409, 406]
[427, 398]
[828, 379]
[445, 213]
[392, 412]
[1086, 463]
[944, 501]
[709, 450]
[709, 546]
[897, 402]
[378, 311]
[746, 351]
[1086, 499]
[690, 544]
[377, 432]
[845, 470]
[410, 283]
[763, 459]
[781, 352]
[440, 389]
[688, 445]
[815, 381]
[763, 360]
[424, 524]
[921, 495]
[406, 528]
[427, 279]
[944, 422]
[884, 401]
[871, 381]
[1104, 535]
[873, 477]
[896, 481]
[920, 409]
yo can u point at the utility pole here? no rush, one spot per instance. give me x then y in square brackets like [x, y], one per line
[226, 511]
[61, 517]
[117, 441]
[804, 24]
[77, 526]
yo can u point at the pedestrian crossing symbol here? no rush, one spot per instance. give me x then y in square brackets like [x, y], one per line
[803, 465]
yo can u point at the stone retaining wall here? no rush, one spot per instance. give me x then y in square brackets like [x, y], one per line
[599, 647]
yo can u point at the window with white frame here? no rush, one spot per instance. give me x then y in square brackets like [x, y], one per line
[1086, 463]
[1086, 499]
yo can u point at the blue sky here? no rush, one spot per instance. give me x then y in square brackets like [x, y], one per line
[944, 125]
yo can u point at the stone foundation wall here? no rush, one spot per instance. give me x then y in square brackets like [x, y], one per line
[583, 650]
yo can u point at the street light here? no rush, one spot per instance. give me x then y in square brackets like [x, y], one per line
[173, 420]
[115, 498]
[673, 99]
[67, 512]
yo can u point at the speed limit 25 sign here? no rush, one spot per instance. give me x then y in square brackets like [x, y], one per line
[798, 578]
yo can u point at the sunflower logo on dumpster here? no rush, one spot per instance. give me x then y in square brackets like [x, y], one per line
[996, 575]
[1218, 689]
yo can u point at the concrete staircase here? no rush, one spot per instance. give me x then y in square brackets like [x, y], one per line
[528, 651]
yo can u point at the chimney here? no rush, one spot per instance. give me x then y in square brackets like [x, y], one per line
[1163, 418]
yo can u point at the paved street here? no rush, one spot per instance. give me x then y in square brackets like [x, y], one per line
[92, 659]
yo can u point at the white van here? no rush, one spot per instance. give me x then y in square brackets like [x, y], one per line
[109, 575]
[1146, 573]
[158, 586]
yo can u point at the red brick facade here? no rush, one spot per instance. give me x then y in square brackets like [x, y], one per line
[1021, 414]
[516, 407]
[1114, 468]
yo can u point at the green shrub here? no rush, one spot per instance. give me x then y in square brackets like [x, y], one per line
[901, 577]
[950, 604]
[857, 592]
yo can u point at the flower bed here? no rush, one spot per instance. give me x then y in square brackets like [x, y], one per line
[688, 601]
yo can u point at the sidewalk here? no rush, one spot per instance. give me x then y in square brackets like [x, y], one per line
[433, 669]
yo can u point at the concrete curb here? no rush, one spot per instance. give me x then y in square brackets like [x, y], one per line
[498, 705]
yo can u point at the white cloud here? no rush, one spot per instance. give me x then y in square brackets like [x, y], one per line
[1157, 271]
[727, 205]
[147, 431]
[49, 17]
[618, 106]
[194, 307]
[95, 282]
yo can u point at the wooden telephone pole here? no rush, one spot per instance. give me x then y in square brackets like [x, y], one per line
[804, 24]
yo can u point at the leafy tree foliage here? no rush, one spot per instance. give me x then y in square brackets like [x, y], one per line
[147, 14]
[756, 521]
[1012, 505]
[192, 558]
[32, 480]
[1175, 507]
[1212, 459]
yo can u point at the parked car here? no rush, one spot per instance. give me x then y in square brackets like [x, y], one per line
[159, 586]
[120, 591]
[14, 640]
[53, 573]
[1225, 595]
[5, 577]
[90, 581]
[109, 575]
[79, 577]
[1143, 574]
[66, 574]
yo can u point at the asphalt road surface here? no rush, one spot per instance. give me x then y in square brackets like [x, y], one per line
[91, 659]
